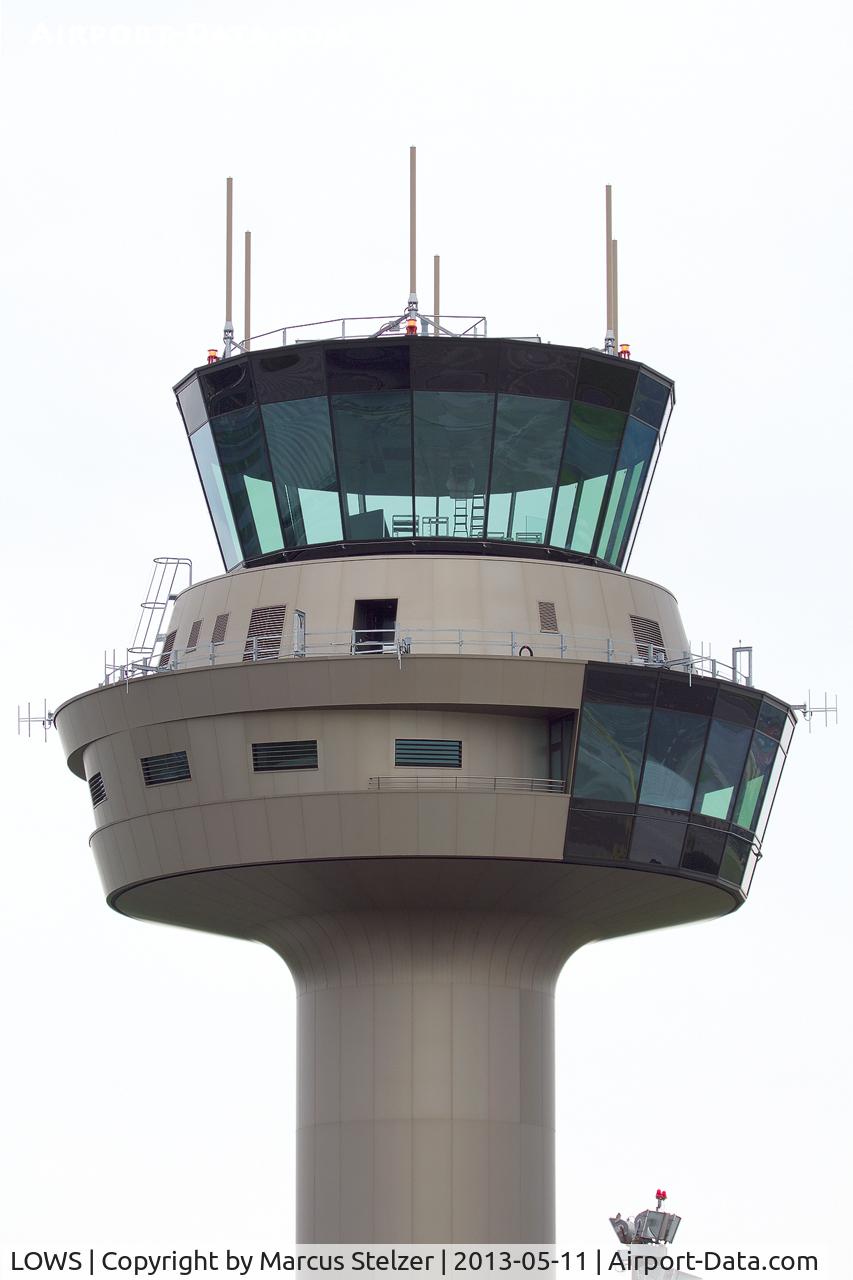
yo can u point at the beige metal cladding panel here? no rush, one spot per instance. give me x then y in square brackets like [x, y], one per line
[650, 602]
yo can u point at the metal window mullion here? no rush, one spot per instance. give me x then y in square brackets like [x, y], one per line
[608, 489]
[488, 496]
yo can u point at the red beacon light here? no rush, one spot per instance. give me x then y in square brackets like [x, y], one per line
[212, 356]
[411, 327]
[660, 1196]
[624, 351]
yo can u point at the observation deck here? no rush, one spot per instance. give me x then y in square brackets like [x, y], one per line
[423, 445]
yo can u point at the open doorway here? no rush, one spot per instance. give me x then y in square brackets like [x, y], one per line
[374, 625]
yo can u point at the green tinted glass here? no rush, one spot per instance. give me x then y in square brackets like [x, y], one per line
[589, 458]
[528, 442]
[373, 437]
[217, 496]
[303, 464]
[453, 441]
[610, 751]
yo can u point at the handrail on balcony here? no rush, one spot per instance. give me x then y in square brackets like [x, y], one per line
[466, 782]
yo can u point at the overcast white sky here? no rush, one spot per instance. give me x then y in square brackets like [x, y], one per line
[147, 1074]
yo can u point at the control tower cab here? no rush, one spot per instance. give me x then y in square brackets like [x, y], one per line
[425, 738]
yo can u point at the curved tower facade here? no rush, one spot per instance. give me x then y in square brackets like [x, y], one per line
[425, 738]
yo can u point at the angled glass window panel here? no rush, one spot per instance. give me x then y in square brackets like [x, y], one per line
[217, 496]
[192, 406]
[736, 707]
[759, 765]
[588, 462]
[299, 436]
[681, 693]
[772, 719]
[650, 400]
[703, 850]
[634, 457]
[368, 367]
[228, 386]
[529, 435]
[534, 369]
[293, 373]
[722, 767]
[769, 794]
[735, 857]
[446, 364]
[676, 739]
[373, 439]
[242, 453]
[453, 440]
[597, 835]
[610, 751]
[658, 842]
[623, 549]
[618, 683]
[788, 731]
[607, 382]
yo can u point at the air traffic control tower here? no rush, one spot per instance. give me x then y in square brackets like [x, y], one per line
[425, 738]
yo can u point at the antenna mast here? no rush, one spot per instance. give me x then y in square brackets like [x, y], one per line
[228, 333]
[247, 292]
[412, 308]
[610, 258]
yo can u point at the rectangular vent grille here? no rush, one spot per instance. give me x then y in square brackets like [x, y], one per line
[173, 767]
[97, 790]
[220, 626]
[263, 639]
[428, 752]
[547, 616]
[168, 646]
[647, 632]
[193, 636]
[271, 757]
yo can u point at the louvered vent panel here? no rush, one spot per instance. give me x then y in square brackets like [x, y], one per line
[193, 636]
[428, 752]
[168, 646]
[173, 767]
[263, 639]
[547, 616]
[271, 757]
[97, 790]
[220, 626]
[647, 632]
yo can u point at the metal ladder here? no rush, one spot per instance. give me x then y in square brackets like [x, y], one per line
[160, 594]
[478, 515]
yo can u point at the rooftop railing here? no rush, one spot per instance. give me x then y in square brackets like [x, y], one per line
[399, 643]
[388, 326]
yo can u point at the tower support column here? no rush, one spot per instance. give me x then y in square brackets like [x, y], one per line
[425, 1077]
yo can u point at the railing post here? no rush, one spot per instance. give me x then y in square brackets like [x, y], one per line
[212, 655]
[562, 645]
[512, 643]
[254, 648]
[460, 639]
[609, 649]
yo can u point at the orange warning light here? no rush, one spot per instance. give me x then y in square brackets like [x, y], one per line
[212, 357]
[624, 351]
[411, 327]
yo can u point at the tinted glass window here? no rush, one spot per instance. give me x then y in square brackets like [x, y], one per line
[192, 406]
[610, 751]
[679, 693]
[598, 835]
[528, 442]
[228, 386]
[446, 364]
[590, 456]
[245, 467]
[293, 374]
[657, 842]
[620, 684]
[606, 382]
[367, 368]
[373, 438]
[634, 459]
[528, 369]
[650, 400]
[721, 770]
[453, 439]
[739, 708]
[772, 719]
[676, 740]
[769, 794]
[734, 860]
[303, 465]
[703, 850]
[217, 496]
[759, 764]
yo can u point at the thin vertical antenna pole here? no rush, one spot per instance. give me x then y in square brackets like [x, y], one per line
[436, 319]
[229, 227]
[247, 285]
[413, 286]
[608, 237]
[615, 295]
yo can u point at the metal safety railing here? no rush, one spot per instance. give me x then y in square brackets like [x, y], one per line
[401, 642]
[387, 326]
[466, 782]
